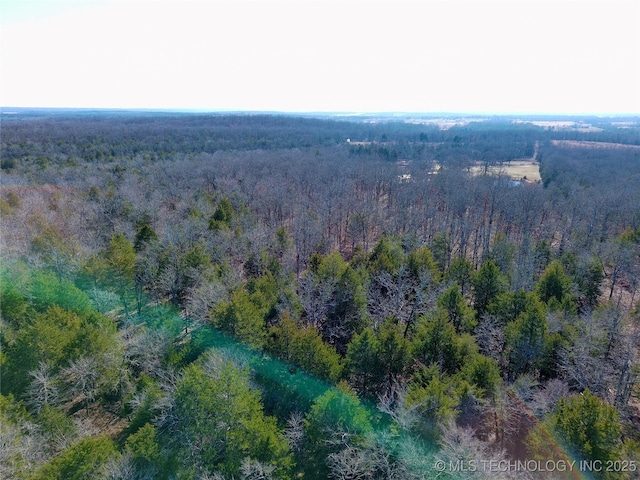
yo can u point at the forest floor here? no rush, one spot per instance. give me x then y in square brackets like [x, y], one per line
[98, 419]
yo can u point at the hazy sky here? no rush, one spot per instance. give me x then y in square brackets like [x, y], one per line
[540, 56]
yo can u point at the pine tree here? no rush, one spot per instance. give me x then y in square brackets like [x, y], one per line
[487, 283]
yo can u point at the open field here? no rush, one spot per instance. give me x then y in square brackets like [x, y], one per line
[599, 145]
[562, 125]
[516, 169]
[444, 123]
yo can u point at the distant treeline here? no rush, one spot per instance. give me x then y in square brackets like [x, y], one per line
[95, 136]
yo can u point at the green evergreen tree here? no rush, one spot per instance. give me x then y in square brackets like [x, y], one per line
[436, 342]
[525, 339]
[421, 261]
[502, 252]
[336, 419]
[222, 217]
[487, 283]
[554, 283]
[541, 256]
[394, 353]
[242, 318]
[350, 310]
[81, 461]
[387, 256]
[375, 361]
[144, 236]
[484, 373]
[218, 410]
[459, 313]
[54, 338]
[436, 396]
[303, 346]
[441, 248]
[507, 306]
[589, 279]
[144, 449]
[460, 271]
[589, 426]
[363, 363]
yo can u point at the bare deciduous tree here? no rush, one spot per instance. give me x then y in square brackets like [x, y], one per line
[400, 296]
[317, 298]
[460, 446]
[124, 468]
[350, 463]
[294, 432]
[44, 387]
[490, 337]
[252, 469]
[203, 299]
[82, 378]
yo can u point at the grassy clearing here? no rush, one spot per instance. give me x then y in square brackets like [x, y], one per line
[516, 169]
[596, 145]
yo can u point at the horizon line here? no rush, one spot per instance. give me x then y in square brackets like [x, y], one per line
[7, 110]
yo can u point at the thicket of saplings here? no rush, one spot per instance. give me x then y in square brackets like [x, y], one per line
[218, 297]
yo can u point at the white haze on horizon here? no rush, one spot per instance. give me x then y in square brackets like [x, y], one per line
[418, 56]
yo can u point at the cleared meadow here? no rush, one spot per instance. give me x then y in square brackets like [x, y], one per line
[526, 170]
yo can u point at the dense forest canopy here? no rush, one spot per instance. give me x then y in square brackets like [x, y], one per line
[198, 296]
